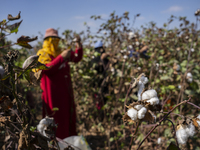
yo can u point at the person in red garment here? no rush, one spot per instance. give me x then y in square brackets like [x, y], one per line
[56, 82]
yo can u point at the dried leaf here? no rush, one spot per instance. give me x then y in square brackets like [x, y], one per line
[23, 41]
[10, 17]
[5, 103]
[26, 39]
[24, 140]
[13, 28]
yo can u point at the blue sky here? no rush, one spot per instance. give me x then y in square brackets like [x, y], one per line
[38, 15]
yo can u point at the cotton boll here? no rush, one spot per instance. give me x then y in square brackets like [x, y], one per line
[43, 124]
[154, 101]
[125, 57]
[192, 49]
[40, 128]
[44, 121]
[181, 135]
[190, 130]
[189, 77]
[159, 140]
[198, 123]
[132, 113]
[157, 66]
[130, 46]
[142, 112]
[137, 43]
[149, 94]
[144, 79]
[138, 107]
[140, 89]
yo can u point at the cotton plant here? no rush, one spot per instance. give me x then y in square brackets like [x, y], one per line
[176, 68]
[184, 132]
[149, 96]
[142, 109]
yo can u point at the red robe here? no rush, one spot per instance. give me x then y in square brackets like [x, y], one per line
[57, 92]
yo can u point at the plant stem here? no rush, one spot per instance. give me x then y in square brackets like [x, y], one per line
[164, 118]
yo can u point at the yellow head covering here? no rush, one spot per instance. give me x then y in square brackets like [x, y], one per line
[50, 48]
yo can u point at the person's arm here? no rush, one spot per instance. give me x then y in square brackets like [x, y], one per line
[144, 48]
[77, 55]
[54, 65]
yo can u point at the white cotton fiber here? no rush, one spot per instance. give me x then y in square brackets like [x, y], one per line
[132, 113]
[189, 77]
[142, 112]
[149, 94]
[159, 140]
[43, 124]
[154, 101]
[197, 120]
[190, 129]
[182, 136]
[140, 89]
[144, 79]
[138, 107]
[40, 128]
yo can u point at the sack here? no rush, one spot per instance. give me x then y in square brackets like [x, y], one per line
[75, 142]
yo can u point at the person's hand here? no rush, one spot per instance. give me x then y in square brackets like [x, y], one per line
[104, 55]
[66, 54]
[78, 41]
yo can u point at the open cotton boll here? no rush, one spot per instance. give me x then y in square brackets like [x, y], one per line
[138, 107]
[142, 112]
[190, 130]
[182, 135]
[140, 89]
[189, 77]
[149, 94]
[144, 79]
[159, 140]
[132, 113]
[154, 101]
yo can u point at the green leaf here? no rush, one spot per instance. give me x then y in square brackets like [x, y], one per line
[27, 76]
[171, 87]
[55, 109]
[32, 128]
[165, 77]
[86, 77]
[4, 78]
[42, 66]
[111, 139]
[172, 146]
[13, 28]
[3, 21]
